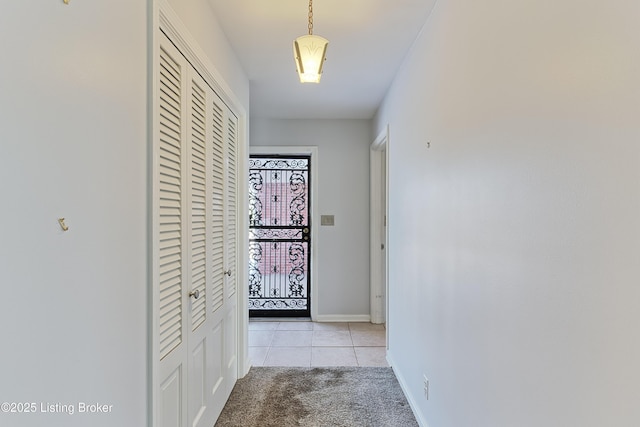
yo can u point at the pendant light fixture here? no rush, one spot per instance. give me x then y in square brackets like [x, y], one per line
[310, 53]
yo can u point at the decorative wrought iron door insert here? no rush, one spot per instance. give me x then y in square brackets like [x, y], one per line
[279, 236]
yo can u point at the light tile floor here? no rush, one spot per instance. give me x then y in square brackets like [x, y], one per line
[311, 344]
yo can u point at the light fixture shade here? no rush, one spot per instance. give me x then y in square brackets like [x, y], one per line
[310, 53]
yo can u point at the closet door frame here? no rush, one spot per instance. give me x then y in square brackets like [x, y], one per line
[165, 20]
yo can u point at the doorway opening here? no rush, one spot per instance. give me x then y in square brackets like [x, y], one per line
[279, 236]
[379, 252]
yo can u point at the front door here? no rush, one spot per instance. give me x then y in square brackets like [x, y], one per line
[279, 236]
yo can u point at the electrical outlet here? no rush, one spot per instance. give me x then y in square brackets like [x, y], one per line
[425, 385]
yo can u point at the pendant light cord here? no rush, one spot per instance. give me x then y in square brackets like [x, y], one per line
[310, 17]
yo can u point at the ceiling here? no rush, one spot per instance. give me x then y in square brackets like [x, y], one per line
[368, 39]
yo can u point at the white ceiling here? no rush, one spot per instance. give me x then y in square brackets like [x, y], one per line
[368, 39]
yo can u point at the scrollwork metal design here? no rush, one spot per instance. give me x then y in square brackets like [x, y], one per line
[297, 272]
[298, 204]
[256, 186]
[275, 233]
[278, 213]
[283, 164]
[255, 275]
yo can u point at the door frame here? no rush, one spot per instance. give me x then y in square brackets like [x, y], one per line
[165, 20]
[315, 217]
[379, 212]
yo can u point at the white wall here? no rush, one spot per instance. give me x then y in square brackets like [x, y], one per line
[203, 26]
[343, 187]
[73, 144]
[515, 239]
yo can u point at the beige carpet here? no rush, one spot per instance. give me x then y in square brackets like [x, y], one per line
[317, 397]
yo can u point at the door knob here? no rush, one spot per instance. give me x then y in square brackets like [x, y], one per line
[195, 294]
[228, 273]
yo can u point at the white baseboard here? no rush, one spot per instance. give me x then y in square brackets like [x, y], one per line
[410, 398]
[342, 318]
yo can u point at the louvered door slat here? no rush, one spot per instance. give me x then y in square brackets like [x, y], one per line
[171, 153]
[170, 261]
[169, 109]
[168, 304]
[168, 211]
[168, 287]
[169, 203]
[169, 131]
[171, 181]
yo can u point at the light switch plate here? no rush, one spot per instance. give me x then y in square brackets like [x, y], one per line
[327, 220]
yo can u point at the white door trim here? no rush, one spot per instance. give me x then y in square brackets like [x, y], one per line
[315, 216]
[379, 284]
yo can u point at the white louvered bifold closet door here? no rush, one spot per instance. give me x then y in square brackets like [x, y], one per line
[230, 242]
[170, 201]
[198, 199]
[220, 362]
[194, 236]
[197, 363]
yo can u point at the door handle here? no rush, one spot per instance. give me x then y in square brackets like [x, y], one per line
[227, 273]
[195, 294]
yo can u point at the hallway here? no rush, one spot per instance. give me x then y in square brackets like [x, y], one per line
[311, 344]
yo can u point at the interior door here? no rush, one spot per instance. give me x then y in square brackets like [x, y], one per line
[230, 252]
[199, 363]
[169, 239]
